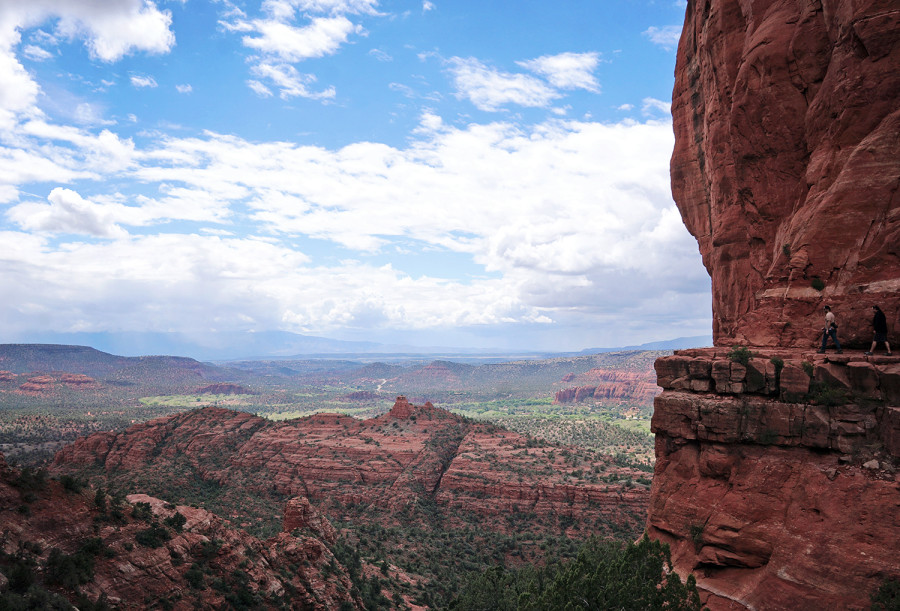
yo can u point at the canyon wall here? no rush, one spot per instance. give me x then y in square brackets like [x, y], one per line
[382, 466]
[786, 166]
[776, 481]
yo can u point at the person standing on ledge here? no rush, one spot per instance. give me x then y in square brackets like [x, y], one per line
[830, 329]
[879, 321]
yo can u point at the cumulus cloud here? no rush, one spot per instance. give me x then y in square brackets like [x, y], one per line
[66, 212]
[567, 70]
[183, 88]
[293, 31]
[666, 36]
[111, 30]
[321, 37]
[489, 89]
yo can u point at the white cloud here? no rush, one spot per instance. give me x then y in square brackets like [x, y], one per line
[323, 36]
[666, 36]
[66, 212]
[289, 82]
[625, 107]
[38, 54]
[141, 81]
[183, 88]
[567, 70]
[652, 106]
[427, 6]
[380, 55]
[111, 30]
[489, 89]
[260, 89]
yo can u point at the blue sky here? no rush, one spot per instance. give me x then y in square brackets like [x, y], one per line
[485, 174]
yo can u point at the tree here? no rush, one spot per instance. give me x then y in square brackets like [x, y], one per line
[604, 575]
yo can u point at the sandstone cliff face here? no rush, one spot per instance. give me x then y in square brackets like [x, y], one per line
[385, 464]
[196, 567]
[778, 487]
[603, 385]
[787, 163]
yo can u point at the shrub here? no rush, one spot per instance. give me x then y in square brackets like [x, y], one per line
[194, 577]
[778, 362]
[72, 484]
[786, 249]
[818, 284]
[142, 511]
[154, 536]
[69, 571]
[740, 354]
[887, 597]
[603, 576]
[807, 367]
[177, 522]
[30, 479]
[827, 395]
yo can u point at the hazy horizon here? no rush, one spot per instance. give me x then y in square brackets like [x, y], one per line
[406, 173]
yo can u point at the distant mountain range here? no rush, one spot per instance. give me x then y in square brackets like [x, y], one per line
[283, 345]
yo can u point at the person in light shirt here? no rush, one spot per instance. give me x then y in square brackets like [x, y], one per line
[830, 330]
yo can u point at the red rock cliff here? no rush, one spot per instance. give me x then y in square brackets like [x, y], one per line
[787, 163]
[777, 486]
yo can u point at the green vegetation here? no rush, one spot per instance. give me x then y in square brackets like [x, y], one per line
[602, 576]
[887, 597]
[807, 368]
[740, 354]
[778, 362]
[818, 284]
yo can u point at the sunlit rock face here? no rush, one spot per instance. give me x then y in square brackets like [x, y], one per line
[787, 163]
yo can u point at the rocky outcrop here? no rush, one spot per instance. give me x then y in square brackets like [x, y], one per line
[300, 514]
[138, 553]
[777, 479]
[787, 164]
[410, 455]
[610, 386]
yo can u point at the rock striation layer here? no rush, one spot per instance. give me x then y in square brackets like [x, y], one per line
[377, 469]
[787, 163]
[776, 481]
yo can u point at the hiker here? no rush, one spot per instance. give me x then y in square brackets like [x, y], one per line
[879, 322]
[830, 329]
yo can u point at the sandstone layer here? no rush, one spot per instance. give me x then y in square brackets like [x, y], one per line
[610, 386]
[777, 480]
[379, 468]
[787, 163]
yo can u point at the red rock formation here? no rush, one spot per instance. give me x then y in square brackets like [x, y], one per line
[611, 386]
[385, 463]
[787, 163]
[131, 574]
[298, 513]
[777, 486]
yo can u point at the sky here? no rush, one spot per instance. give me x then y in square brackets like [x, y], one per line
[445, 173]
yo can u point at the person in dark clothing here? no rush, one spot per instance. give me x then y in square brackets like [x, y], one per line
[879, 322]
